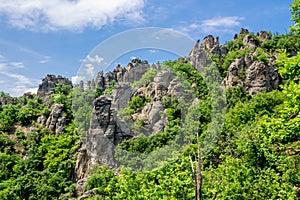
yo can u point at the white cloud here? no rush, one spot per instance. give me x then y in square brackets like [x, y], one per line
[212, 26]
[32, 90]
[90, 62]
[152, 51]
[2, 66]
[76, 79]
[69, 14]
[18, 77]
[11, 65]
[96, 59]
[89, 69]
[17, 65]
[17, 84]
[223, 24]
[46, 59]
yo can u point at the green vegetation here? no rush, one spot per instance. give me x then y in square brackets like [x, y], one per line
[257, 155]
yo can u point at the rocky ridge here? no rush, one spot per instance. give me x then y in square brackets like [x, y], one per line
[107, 128]
[249, 72]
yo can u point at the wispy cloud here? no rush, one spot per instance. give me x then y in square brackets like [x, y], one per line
[68, 15]
[45, 60]
[212, 26]
[17, 84]
[220, 24]
[10, 65]
[13, 82]
[18, 77]
[17, 65]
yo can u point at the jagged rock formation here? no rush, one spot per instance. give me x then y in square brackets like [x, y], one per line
[135, 70]
[209, 42]
[105, 131]
[249, 42]
[254, 76]
[107, 128]
[263, 36]
[132, 72]
[122, 94]
[47, 87]
[199, 57]
[56, 121]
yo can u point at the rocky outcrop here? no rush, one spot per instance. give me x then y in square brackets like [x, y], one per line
[135, 70]
[263, 36]
[56, 121]
[47, 87]
[199, 57]
[254, 76]
[261, 77]
[6, 99]
[209, 42]
[105, 132]
[132, 72]
[250, 42]
[121, 95]
[200, 52]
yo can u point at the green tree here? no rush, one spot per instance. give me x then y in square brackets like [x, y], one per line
[295, 10]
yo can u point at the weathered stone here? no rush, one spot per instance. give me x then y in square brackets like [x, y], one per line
[105, 132]
[209, 42]
[248, 60]
[244, 31]
[199, 57]
[41, 120]
[263, 36]
[56, 120]
[135, 71]
[255, 76]
[122, 93]
[248, 41]
[236, 73]
[99, 80]
[164, 78]
[47, 87]
[261, 77]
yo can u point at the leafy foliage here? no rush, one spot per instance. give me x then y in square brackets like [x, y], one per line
[256, 157]
[289, 68]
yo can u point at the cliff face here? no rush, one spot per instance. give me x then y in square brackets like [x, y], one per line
[105, 131]
[47, 87]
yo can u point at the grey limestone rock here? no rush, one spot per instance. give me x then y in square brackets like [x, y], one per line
[47, 87]
[56, 120]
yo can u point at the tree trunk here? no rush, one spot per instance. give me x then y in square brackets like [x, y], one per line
[198, 171]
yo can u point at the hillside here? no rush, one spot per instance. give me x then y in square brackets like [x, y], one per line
[133, 133]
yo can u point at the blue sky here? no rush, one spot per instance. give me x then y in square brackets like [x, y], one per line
[40, 37]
